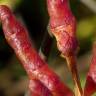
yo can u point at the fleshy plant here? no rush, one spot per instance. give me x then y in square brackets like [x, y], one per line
[62, 25]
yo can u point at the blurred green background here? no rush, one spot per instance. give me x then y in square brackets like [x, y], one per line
[33, 14]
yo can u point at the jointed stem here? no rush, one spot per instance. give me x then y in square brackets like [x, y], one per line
[45, 81]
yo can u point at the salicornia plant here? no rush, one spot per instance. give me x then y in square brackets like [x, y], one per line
[42, 80]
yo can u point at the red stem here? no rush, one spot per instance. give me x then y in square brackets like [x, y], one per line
[90, 86]
[62, 24]
[11, 29]
[17, 37]
[38, 89]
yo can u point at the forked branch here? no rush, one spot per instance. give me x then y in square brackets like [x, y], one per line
[37, 69]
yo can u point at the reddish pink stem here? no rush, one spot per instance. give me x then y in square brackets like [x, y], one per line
[63, 26]
[38, 89]
[17, 37]
[90, 86]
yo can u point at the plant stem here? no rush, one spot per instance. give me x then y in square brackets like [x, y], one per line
[37, 69]
[71, 62]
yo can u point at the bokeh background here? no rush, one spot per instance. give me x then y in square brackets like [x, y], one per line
[33, 14]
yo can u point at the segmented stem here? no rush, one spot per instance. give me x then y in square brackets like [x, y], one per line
[37, 69]
[63, 27]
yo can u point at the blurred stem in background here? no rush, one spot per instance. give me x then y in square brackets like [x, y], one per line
[91, 4]
[34, 14]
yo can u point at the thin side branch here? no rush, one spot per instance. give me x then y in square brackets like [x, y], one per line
[71, 62]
